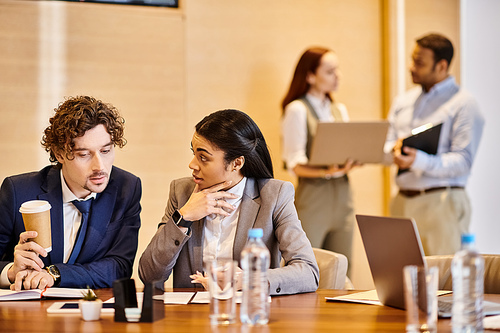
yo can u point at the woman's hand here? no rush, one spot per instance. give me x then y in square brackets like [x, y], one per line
[200, 278]
[336, 171]
[208, 201]
[203, 279]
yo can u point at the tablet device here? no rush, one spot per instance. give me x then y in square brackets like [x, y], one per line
[335, 142]
[72, 307]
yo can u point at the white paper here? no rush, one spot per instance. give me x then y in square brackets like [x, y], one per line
[368, 297]
[203, 297]
[365, 297]
[177, 297]
[491, 323]
[9, 295]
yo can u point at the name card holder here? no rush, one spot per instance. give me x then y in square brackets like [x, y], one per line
[153, 308]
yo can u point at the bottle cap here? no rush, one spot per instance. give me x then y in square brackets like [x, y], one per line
[468, 238]
[255, 233]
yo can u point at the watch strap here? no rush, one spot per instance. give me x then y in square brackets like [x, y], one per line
[179, 220]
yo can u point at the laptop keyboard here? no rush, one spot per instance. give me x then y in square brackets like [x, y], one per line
[444, 306]
[489, 308]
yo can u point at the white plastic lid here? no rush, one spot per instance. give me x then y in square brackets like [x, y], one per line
[34, 206]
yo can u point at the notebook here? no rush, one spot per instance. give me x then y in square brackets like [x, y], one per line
[335, 142]
[390, 244]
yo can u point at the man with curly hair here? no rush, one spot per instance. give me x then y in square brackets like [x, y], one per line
[91, 246]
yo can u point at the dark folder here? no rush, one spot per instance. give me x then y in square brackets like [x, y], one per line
[426, 141]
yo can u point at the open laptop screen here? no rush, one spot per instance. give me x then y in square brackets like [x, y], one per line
[390, 244]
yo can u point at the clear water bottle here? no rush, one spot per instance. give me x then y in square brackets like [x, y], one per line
[255, 260]
[467, 269]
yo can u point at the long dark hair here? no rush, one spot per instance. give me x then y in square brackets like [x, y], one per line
[308, 63]
[236, 134]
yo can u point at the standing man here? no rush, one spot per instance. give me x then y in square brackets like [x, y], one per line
[91, 246]
[432, 190]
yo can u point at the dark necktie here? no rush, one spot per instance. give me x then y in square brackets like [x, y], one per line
[84, 208]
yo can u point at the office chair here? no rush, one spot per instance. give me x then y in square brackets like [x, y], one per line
[491, 272]
[332, 269]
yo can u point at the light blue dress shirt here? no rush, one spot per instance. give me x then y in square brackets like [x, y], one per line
[461, 132]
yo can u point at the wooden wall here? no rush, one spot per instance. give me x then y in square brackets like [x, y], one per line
[167, 68]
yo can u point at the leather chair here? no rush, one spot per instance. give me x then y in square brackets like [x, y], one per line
[332, 269]
[491, 272]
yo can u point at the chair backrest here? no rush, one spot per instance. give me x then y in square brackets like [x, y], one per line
[332, 269]
[491, 272]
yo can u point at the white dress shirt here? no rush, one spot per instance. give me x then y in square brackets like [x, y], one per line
[220, 231]
[72, 218]
[294, 128]
[461, 132]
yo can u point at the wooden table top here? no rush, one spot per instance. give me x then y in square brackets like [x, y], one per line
[308, 312]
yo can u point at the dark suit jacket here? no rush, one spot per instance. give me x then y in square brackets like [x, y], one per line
[111, 241]
[266, 204]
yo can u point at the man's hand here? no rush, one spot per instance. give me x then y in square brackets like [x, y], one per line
[208, 201]
[405, 161]
[26, 255]
[30, 279]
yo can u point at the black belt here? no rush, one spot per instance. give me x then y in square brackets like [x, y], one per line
[414, 193]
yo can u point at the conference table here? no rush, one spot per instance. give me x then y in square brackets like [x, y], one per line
[308, 312]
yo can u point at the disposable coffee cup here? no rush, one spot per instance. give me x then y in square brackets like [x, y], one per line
[36, 217]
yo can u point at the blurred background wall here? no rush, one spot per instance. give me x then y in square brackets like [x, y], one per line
[166, 68]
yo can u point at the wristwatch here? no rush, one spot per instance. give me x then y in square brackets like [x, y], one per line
[56, 275]
[179, 220]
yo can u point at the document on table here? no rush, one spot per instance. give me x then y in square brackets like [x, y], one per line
[177, 297]
[9, 295]
[367, 297]
[491, 323]
[203, 297]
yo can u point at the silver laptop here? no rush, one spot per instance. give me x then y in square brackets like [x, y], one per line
[335, 142]
[390, 244]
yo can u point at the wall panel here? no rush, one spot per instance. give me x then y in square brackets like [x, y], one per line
[130, 56]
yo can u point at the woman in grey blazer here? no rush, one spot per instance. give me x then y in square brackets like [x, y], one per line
[231, 191]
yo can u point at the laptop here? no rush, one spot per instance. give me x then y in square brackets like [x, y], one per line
[390, 244]
[335, 142]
